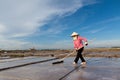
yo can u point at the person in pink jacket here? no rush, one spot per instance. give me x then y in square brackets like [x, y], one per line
[79, 47]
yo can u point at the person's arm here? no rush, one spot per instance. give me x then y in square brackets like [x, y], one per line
[85, 40]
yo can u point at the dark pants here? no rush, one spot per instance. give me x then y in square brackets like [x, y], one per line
[79, 55]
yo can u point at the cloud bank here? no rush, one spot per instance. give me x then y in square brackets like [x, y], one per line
[21, 18]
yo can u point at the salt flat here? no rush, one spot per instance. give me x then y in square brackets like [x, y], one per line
[97, 69]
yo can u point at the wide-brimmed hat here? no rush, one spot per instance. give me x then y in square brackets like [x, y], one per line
[74, 34]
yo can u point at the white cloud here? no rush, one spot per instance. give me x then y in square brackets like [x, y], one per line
[19, 18]
[108, 20]
[14, 44]
[97, 30]
[101, 22]
[2, 28]
[61, 44]
[24, 17]
[105, 43]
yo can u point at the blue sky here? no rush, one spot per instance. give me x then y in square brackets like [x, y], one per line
[48, 24]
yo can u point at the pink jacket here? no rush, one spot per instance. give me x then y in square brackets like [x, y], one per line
[79, 42]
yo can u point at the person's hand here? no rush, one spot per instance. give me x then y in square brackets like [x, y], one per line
[76, 49]
[86, 43]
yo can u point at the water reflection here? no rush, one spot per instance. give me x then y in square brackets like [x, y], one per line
[98, 69]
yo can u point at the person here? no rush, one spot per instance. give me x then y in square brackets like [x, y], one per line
[79, 47]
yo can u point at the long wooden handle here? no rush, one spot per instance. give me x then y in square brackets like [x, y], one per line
[68, 55]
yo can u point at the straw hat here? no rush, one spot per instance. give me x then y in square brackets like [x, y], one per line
[74, 34]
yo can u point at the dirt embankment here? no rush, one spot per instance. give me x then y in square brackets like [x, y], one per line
[102, 52]
[95, 52]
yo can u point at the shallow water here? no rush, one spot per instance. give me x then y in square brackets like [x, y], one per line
[18, 61]
[96, 69]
